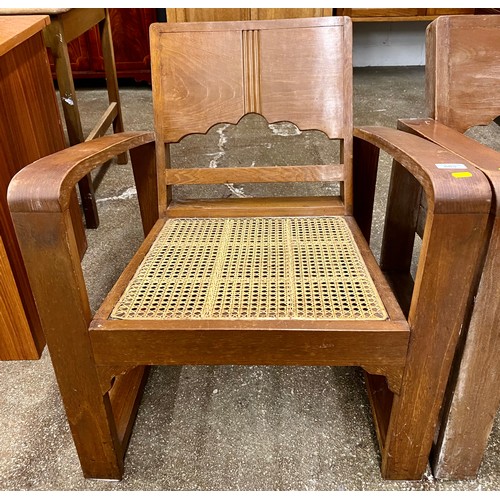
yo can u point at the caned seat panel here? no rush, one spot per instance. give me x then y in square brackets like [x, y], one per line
[252, 268]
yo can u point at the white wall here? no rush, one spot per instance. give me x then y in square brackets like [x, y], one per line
[389, 44]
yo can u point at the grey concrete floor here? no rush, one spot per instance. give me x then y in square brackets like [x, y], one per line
[220, 428]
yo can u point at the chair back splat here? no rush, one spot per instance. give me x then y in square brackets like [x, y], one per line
[298, 71]
[463, 80]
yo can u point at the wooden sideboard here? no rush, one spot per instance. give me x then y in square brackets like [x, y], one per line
[357, 15]
[396, 15]
[195, 15]
[30, 128]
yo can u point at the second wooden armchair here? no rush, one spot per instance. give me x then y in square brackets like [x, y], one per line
[275, 281]
[463, 89]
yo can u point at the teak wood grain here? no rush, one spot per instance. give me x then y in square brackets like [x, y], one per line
[30, 128]
[395, 15]
[198, 98]
[16, 341]
[463, 85]
[15, 30]
[462, 81]
[241, 175]
[204, 74]
[204, 15]
[255, 207]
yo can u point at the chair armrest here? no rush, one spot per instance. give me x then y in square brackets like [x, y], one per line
[39, 197]
[482, 157]
[46, 184]
[445, 192]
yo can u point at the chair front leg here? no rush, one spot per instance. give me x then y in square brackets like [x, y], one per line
[52, 260]
[452, 245]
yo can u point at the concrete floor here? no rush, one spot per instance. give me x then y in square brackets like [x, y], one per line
[220, 428]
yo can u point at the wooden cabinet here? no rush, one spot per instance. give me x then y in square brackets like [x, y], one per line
[30, 127]
[416, 14]
[196, 15]
[423, 14]
[130, 30]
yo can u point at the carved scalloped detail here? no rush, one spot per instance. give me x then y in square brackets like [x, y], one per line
[213, 128]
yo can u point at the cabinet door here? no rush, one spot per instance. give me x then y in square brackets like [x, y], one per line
[380, 14]
[207, 15]
[263, 14]
[423, 14]
[448, 12]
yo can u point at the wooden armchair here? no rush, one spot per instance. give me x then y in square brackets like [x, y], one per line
[274, 281]
[463, 90]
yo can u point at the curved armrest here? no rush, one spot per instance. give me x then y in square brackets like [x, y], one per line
[482, 157]
[46, 184]
[446, 193]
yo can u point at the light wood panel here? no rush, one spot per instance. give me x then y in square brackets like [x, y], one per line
[15, 30]
[200, 15]
[261, 69]
[15, 336]
[207, 15]
[317, 68]
[463, 81]
[30, 127]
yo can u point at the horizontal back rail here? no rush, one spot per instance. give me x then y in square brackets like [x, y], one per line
[242, 175]
[257, 207]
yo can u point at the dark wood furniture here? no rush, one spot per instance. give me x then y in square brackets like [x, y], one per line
[463, 89]
[30, 128]
[397, 15]
[280, 281]
[130, 33]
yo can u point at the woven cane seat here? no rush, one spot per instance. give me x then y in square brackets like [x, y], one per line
[246, 268]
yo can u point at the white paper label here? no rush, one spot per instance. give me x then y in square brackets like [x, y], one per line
[451, 166]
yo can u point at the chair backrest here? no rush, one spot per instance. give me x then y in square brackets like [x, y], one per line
[463, 70]
[296, 70]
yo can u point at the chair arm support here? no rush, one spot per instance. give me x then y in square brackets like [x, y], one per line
[46, 184]
[445, 193]
[482, 157]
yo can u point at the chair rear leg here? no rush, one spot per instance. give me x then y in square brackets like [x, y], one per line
[399, 233]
